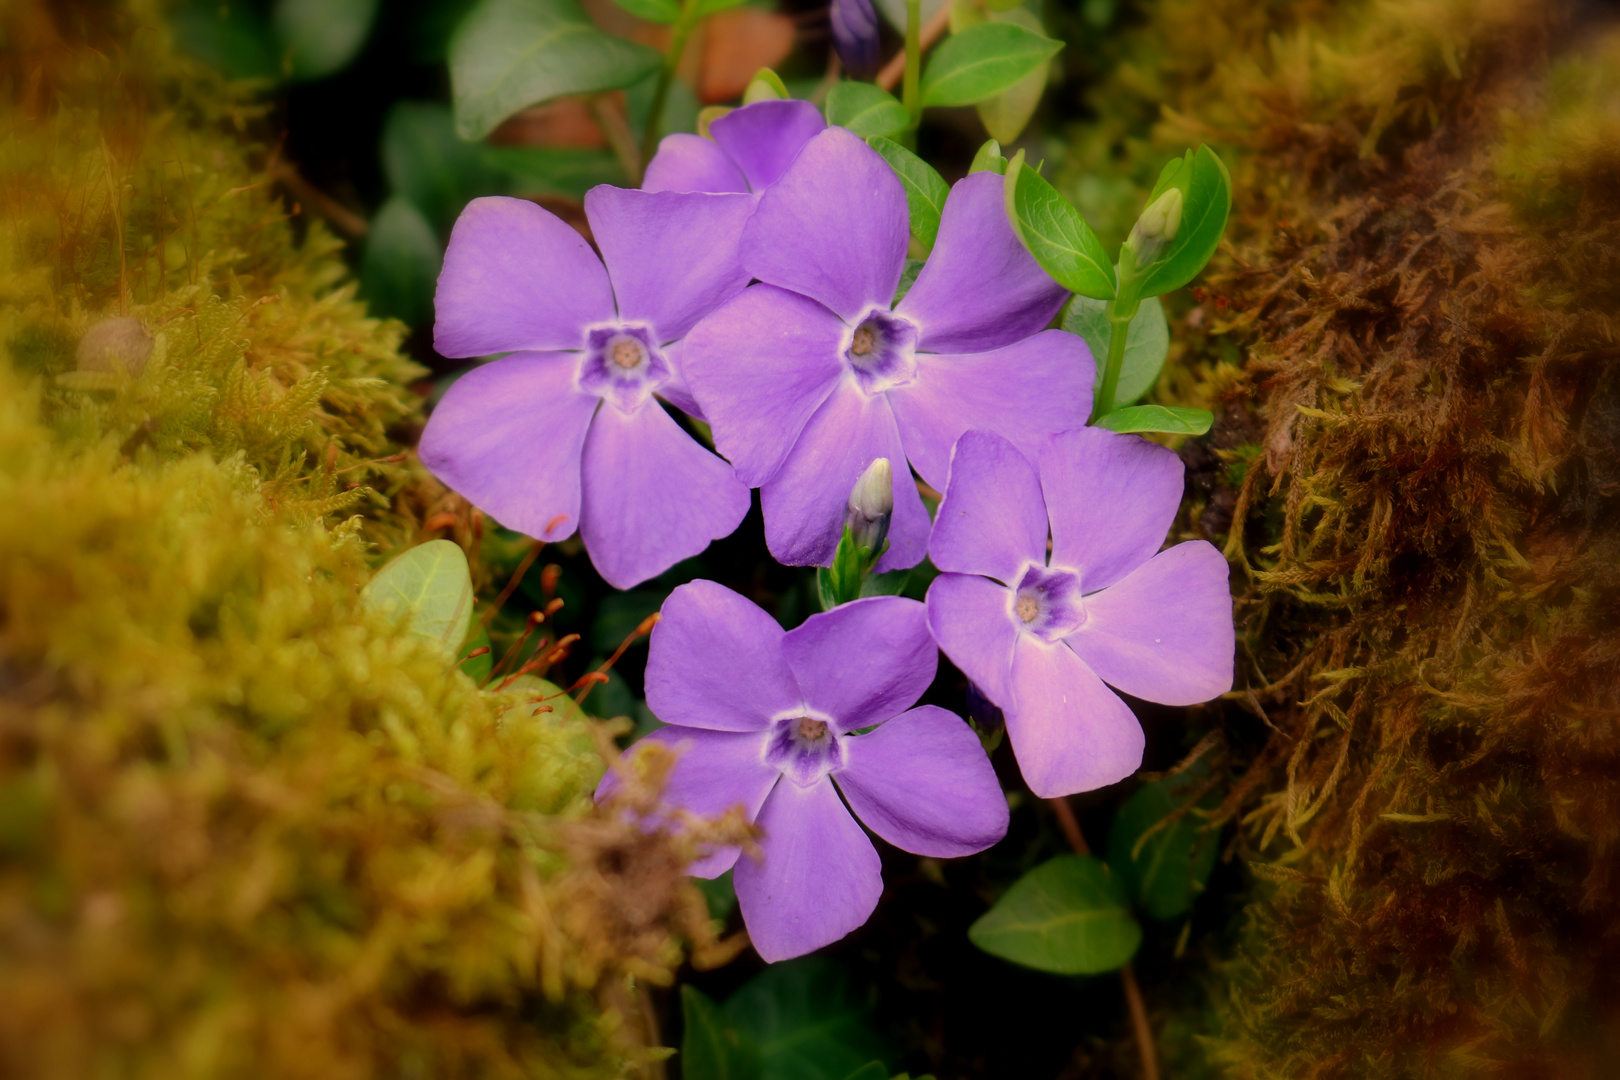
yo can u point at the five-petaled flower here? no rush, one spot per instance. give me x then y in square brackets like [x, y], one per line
[782, 722]
[809, 376]
[566, 432]
[1041, 636]
[748, 149]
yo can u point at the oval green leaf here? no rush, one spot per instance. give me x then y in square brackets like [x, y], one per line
[400, 265]
[865, 109]
[1207, 192]
[510, 54]
[1007, 114]
[1145, 348]
[806, 1019]
[320, 37]
[1068, 915]
[658, 11]
[713, 1048]
[982, 61]
[427, 162]
[1169, 419]
[430, 588]
[926, 190]
[1055, 233]
[1163, 870]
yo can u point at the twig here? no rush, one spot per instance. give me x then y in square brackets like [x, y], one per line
[514, 581]
[345, 220]
[1139, 1023]
[1133, 993]
[932, 30]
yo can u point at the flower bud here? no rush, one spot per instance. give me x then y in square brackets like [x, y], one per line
[1156, 227]
[113, 345]
[855, 34]
[871, 504]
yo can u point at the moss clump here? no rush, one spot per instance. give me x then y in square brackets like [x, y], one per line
[1413, 344]
[246, 827]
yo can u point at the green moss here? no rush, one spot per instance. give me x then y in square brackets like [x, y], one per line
[247, 828]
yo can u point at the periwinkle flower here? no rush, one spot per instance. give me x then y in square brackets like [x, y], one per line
[810, 376]
[855, 33]
[567, 431]
[1044, 638]
[748, 149]
[781, 723]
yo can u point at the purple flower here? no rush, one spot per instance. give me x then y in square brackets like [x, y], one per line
[855, 34]
[566, 432]
[778, 723]
[1041, 635]
[748, 149]
[809, 377]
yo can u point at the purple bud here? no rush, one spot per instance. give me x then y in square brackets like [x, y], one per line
[855, 33]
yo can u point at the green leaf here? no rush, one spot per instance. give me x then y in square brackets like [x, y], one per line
[1055, 233]
[620, 613]
[926, 190]
[872, 1070]
[865, 109]
[658, 11]
[719, 894]
[1166, 871]
[478, 668]
[1170, 419]
[1207, 195]
[552, 170]
[989, 159]
[428, 163]
[892, 583]
[320, 37]
[510, 54]
[766, 85]
[982, 61]
[400, 265]
[1068, 915]
[232, 38]
[1145, 348]
[1006, 115]
[713, 1048]
[430, 588]
[806, 1021]
[681, 107]
[711, 7]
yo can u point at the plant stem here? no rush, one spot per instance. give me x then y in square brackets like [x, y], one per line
[1119, 330]
[909, 93]
[1139, 1023]
[610, 119]
[672, 60]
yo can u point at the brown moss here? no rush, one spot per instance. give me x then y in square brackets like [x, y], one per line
[1418, 454]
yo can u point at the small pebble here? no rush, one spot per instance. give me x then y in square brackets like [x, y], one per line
[116, 342]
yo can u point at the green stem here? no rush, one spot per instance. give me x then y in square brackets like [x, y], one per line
[1119, 330]
[672, 60]
[910, 95]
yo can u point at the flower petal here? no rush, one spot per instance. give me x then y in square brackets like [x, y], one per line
[968, 616]
[1111, 499]
[1164, 632]
[992, 520]
[765, 137]
[760, 366]
[804, 502]
[507, 436]
[819, 878]
[653, 496]
[865, 661]
[672, 256]
[980, 288]
[692, 163]
[1069, 732]
[1023, 392]
[516, 277]
[923, 782]
[715, 661]
[834, 227]
[714, 771]
[675, 389]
